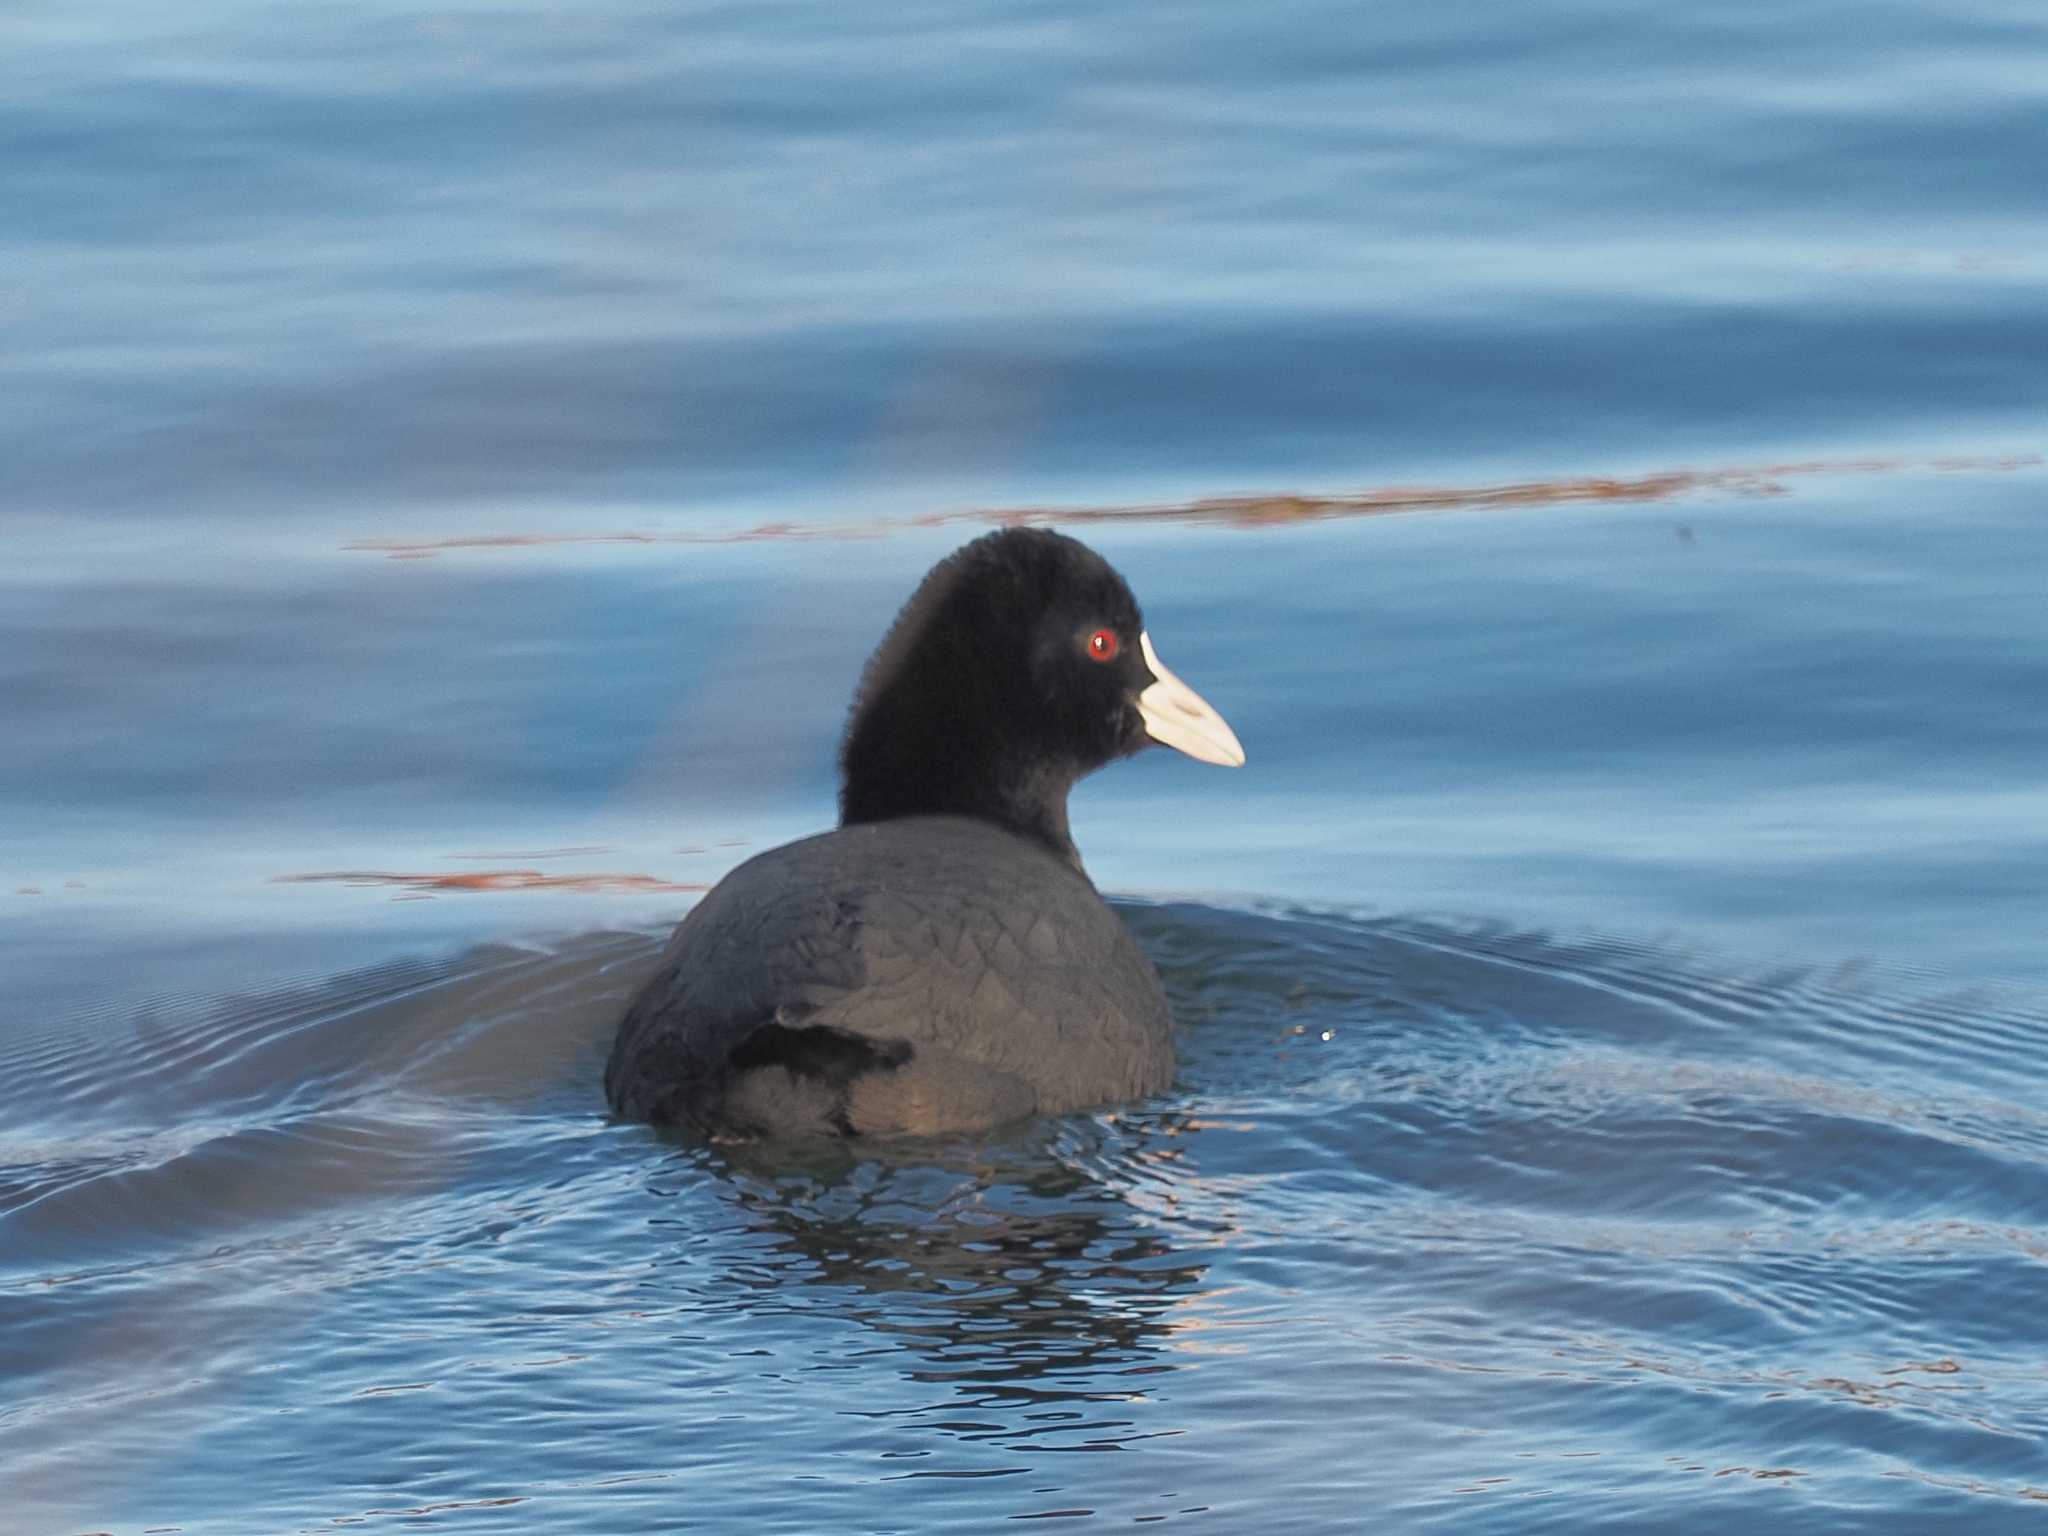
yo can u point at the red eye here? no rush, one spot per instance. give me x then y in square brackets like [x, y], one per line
[1102, 645]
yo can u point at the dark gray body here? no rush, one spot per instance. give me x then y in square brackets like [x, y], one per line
[921, 975]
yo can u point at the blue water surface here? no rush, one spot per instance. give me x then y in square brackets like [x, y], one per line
[455, 462]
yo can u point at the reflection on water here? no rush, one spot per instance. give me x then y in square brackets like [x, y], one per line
[1010, 1275]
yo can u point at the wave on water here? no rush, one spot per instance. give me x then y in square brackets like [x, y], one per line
[1583, 1217]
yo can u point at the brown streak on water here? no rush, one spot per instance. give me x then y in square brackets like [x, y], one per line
[1270, 509]
[495, 880]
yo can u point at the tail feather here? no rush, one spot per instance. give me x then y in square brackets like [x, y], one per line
[787, 1076]
[833, 1081]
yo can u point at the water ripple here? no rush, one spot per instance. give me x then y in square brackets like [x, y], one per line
[1525, 1215]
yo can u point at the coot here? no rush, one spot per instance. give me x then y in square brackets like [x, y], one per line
[940, 962]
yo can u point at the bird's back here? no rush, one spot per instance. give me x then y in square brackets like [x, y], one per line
[919, 975]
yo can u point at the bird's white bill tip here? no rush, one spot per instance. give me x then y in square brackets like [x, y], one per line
[1176, 716]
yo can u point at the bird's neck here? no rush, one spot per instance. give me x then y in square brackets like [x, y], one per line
[1035, 806]
[882, 784]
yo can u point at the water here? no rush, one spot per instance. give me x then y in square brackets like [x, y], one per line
[454, 465]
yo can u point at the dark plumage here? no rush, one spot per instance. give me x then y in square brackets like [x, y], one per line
[941, 961]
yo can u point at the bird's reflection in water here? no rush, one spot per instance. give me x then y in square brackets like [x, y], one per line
[1030, 1276]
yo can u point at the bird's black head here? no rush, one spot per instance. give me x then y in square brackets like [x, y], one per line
[1019, 664]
